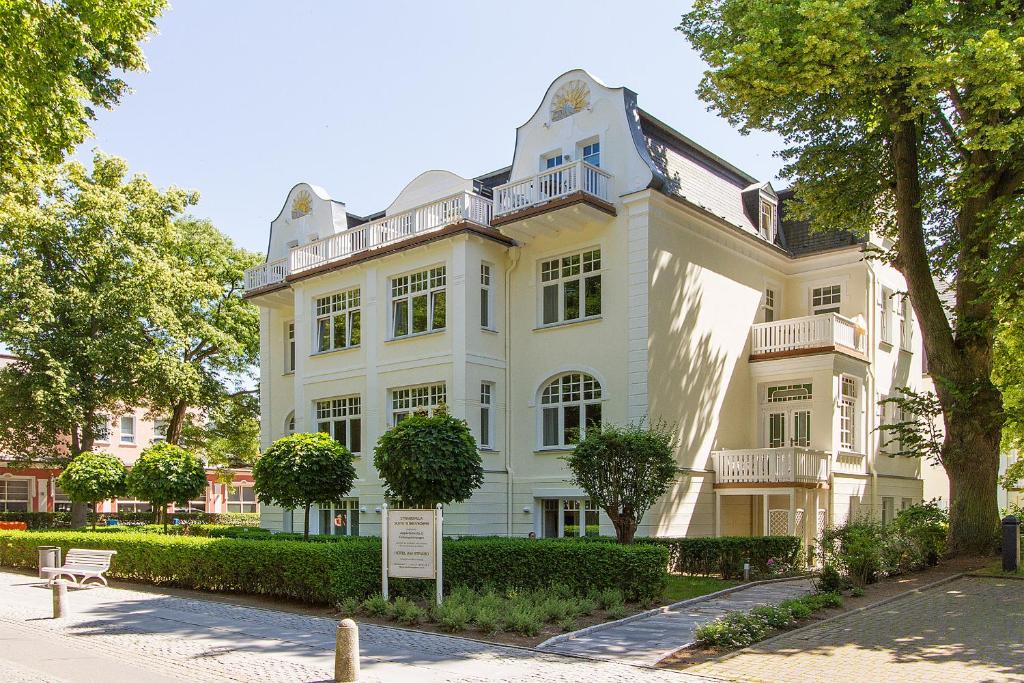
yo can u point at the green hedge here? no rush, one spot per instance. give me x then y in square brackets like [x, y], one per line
[725, 555]
[328, 573]
[62, 520]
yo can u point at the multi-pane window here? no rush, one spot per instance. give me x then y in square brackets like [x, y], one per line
[848, 414]
[289, 347]
[103, 430]
[592, 153]
[61, 501]
[571, 287]
[788, 415]
[131, 505]
[769, 305]
[485, 297]
[160, 430]
[553, 160]
[826, 299]
[486, 415]
[906, 323]
[888, 509]
[128, 429]
[905, 503]
[340, 519]
[569, 518]
[570, 404]
[14, 495]
[409, 400]
[289, 423]
[418, 302]
[885, 315]
[338, 321]
[241, 499]
[342, 419]
[766, 224]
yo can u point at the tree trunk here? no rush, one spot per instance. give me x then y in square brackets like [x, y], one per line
[176, 422]
[305, 523]
[971, 458]
[625, 525]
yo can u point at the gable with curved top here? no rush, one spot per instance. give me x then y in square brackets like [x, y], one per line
[427, 187]
[308, 214]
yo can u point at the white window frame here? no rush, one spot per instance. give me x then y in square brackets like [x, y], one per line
[581, 505]
[905, 313]
[236, 489]
[134, 505]
[130, 441]
[849, 414]
[408, 400]
[61, 501]
[345, 305]
[430, 283]
[822, 302]
[487, 296]
[791, 403]
[767, 218]
[102, 435]
[485, 437]
[769, 303]
[341, 416]
[160, 426]
[888, 511]
[349, 508]
[289, 347]
[556, 156]
[6, 499]
[577, 268]
[592, 144]
[885, 315]
[289, 423]
[562, 395]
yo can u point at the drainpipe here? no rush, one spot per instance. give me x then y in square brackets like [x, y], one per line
[515, 254]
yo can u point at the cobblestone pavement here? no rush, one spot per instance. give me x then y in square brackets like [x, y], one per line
[970, 630]
[135, 636]
[650, 639]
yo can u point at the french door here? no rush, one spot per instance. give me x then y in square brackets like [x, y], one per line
[789, 426]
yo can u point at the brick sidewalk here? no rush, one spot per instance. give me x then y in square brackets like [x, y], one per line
[970, 630]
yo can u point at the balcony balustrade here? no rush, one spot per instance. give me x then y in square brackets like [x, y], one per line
[813, 332]
[770, 465]
[553, 183]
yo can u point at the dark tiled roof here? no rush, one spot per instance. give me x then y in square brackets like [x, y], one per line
[801, 240]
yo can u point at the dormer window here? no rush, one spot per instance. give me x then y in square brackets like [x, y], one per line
[553, 160]
[766, 225]
[592, 154]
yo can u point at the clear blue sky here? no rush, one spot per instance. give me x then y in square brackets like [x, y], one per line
[244, 99]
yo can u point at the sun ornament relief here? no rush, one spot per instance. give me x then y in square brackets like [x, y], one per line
[572, 97]
[302, 204]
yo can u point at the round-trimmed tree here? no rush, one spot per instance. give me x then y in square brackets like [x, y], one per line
[625, 470]
[165, 474]
[301, 470]
[92, 477]
[425, 460]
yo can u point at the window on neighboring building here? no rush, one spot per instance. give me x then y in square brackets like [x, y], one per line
[906, 316]
[885, 315]
[128, 429]
[905, 503]
[570, 404]
[486, 415]
[768, 308]
[342, 419]
[766, 224]
[571, 287]
[826, 299]
[160, 430]
[888, 509]
[418, 302]
[289, 423]
[61, 502]
[130, 505]
[14, 495]
[289, 347]
[338, 323]
[485, 297]
[241, 498]
[848, 414]
[569, 518]
[103, 430]
[592, 153]
[340, 519]
[423, 398]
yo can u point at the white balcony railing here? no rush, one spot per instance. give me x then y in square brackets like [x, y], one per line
[266, 274]
[770, 465]
[553, 183]
[464, 206]
[810, 332]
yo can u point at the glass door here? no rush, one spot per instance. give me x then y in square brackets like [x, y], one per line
[789, 427]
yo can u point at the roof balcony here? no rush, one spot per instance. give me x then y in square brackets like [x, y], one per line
[577, 184]
[790, 466]
[811, 334]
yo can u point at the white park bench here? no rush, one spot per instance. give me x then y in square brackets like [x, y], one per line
[89, 564]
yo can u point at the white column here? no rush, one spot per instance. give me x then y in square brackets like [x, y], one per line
[457, 295]
[266, 357]
[637, 288]
[303, 347]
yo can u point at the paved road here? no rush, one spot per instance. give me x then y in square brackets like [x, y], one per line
[968, 631]
[650, 639]
[119, 635]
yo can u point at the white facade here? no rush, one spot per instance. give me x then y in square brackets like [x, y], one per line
[615, 271]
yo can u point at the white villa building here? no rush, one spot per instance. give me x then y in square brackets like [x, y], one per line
[616, 270]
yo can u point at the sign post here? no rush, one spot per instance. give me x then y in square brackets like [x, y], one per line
[411, 546]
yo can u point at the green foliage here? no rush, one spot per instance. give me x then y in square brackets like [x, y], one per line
[92, 477]
[725, 555]
[302, 470]
[61, 61]
[376, 605]
[406, 612]
[248, 521]
[741, 629]
[1013, 478]
[682, 587]
[625, 470]
[425, 460]
[608, 598]
[917, 434]
[166, 473]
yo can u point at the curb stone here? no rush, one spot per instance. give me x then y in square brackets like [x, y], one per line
[806, 627]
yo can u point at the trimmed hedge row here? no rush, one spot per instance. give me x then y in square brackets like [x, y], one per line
[725, 555]
[62, 520]
[327, 573]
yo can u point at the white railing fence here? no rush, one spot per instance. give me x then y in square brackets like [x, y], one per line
[266, 274]
[811, 331]
[768, 465]
[553, 183]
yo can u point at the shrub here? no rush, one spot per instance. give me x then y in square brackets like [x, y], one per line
[725, 555]
[488, 619]
[775, 616]
[405, 611]
[617, 611]
[164, 474]
[453, 615]
[608, 598]
[734, 630]
[62, 520]
[524, 618]
[92, 477]
[376, 605]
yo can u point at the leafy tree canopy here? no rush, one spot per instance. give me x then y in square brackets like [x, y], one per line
[426, 460]
[93, 477]
[625, 470]
[166, 473]
[230, 437]
[302, 470]
[60, 60]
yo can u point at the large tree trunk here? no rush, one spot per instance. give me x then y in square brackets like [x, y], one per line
[176, 421]
[81, 442]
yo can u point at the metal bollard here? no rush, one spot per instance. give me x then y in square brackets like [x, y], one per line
[346, 653]
[746, 571]
[60, 599]
[1011, 544]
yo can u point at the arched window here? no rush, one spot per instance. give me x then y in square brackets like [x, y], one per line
[570, 404]
[289, 423]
